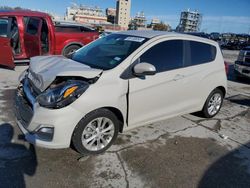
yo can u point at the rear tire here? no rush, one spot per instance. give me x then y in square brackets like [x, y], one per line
[69, 51]
[90, 137]
[213, 104]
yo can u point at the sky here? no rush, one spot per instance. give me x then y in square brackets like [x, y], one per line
[218, 15]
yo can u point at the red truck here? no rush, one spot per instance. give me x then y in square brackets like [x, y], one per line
[24, 34]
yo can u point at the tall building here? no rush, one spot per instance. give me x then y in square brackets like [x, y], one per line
[123, 13]
[86, 14]
[139, 22]
[154, 22]
[190, 21]
[111, 15]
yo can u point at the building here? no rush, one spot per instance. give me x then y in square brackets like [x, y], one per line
[154, 21]
[139, 22]
[86, 14]
[190, 21]
[111, 15]
[123, 13]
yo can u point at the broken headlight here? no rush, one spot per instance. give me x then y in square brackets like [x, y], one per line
[63, 94]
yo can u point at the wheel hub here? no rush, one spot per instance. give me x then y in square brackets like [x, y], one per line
[214, 104]
[98, 134]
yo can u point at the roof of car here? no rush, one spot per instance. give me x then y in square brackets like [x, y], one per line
[22, 13]
[144, 33]
[151, 34]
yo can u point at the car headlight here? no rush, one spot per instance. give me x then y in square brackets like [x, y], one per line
[62, 94]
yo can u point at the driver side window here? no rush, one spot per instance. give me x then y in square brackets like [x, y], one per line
[165, 56]
[4, 27]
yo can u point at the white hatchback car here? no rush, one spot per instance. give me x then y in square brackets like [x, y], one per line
[118, 82]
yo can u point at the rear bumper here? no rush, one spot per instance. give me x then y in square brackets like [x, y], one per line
[242, 70]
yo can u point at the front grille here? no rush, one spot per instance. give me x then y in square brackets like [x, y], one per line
[23, 108]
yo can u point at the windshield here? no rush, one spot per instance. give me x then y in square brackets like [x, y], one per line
[109, 51]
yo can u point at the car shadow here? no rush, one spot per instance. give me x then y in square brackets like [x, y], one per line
[16, 160]
[240, 99]
[232, 170]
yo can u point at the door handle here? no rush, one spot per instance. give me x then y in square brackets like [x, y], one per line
[178, 77]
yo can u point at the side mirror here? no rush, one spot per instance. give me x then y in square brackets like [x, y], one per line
[143, 69]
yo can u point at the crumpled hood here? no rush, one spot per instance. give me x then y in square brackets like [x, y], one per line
[44, 69]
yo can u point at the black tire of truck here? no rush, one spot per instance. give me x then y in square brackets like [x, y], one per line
[69, 51]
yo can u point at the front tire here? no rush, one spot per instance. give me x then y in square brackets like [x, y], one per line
[213, 104]
[96, 132]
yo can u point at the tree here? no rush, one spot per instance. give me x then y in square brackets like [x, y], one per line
[161, 27]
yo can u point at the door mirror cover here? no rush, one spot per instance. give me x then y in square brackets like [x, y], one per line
[143, 69]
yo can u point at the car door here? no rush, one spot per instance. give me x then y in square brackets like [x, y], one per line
[200, 71]
[6, 55]
[160, 95]
[32, 42]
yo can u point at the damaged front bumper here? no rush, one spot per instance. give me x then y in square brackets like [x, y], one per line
[41, 126]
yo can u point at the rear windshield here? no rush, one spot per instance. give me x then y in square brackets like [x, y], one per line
[109, 51]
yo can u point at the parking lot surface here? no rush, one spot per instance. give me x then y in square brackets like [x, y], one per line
[185, 151]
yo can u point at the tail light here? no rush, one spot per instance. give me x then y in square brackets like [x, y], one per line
[226, 67]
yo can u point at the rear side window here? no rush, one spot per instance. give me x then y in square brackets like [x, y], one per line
[199, 53]
[165, 56]
[33, 26]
